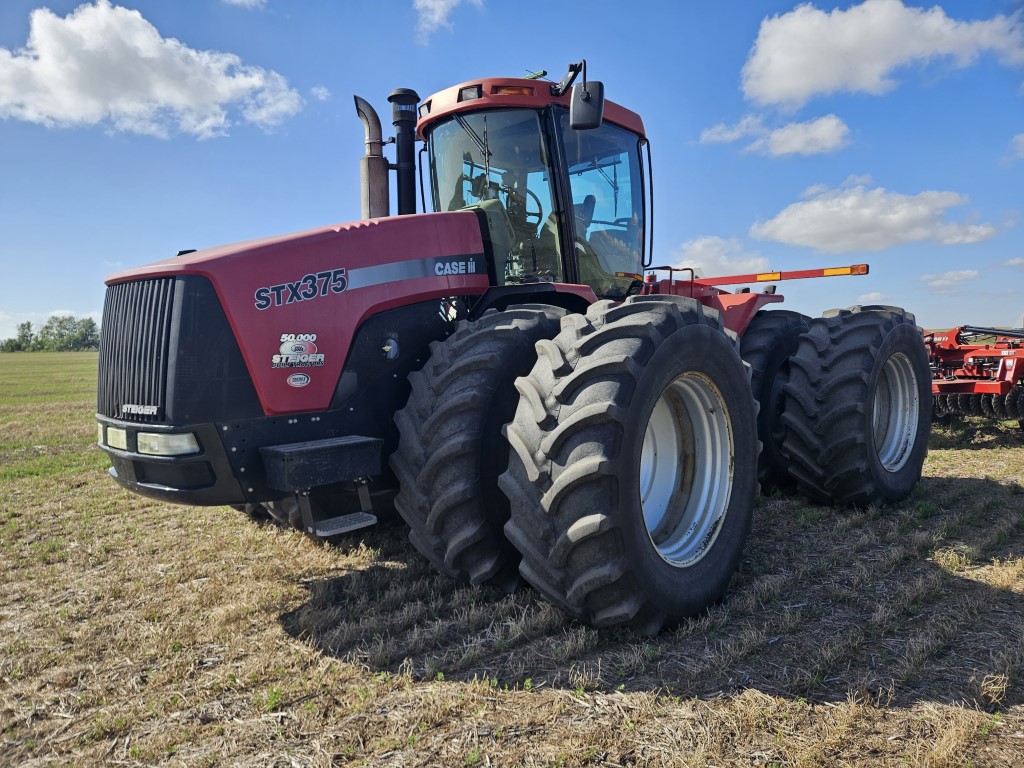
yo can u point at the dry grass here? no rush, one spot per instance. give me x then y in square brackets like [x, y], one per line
[137, 633]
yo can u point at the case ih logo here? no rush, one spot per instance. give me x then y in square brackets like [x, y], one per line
[454, 267]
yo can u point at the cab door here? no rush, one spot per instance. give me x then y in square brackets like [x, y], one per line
[603, 200]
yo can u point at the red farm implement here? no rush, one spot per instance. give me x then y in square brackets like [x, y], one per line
[978, 372]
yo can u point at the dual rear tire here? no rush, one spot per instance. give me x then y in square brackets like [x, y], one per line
[857, 409]
[769, 342]
[623, 483]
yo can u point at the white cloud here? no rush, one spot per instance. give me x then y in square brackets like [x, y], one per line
[948, 282]
[813, 137]
[106, 64]
[749, 125]
[856, 218]
[1017, 262]
[1018, 145]
[246, 3]
[433, 14]
[320, 93]
[875, 297]
[853, 180]
[716, 256]
[807, 51]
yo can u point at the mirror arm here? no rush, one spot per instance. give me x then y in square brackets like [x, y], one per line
[562, 86]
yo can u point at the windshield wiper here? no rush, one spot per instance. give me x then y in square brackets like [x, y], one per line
[613, 183]
[481, 144]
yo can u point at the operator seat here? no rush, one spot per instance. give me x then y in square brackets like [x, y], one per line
[584, 213]
[547, 244]
[500, 231]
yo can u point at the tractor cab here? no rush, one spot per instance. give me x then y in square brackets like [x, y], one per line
[561, 204]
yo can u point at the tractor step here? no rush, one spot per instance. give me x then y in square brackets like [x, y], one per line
[343, 524]
[298, 466]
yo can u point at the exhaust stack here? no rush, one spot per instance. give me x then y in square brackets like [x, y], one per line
[373, 166]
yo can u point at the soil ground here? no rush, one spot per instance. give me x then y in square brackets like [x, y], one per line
[134, 632]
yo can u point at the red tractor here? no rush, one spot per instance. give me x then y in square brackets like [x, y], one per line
[501, 371]
[978, 372]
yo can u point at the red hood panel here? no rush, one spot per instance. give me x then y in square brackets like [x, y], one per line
[295, 301]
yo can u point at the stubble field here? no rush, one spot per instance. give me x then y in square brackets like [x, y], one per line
[138, 633]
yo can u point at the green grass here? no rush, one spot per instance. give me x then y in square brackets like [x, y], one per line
[38, 391]
[29, 378]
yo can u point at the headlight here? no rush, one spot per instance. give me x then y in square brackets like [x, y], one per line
[166, 444]
[117, 438]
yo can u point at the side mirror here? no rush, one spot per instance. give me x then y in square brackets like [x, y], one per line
[586, 107]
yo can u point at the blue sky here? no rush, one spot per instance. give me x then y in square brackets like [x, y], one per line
[785, 135]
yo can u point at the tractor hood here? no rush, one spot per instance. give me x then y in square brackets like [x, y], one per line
[295, 302]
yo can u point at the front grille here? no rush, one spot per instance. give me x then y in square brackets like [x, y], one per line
[134, 346]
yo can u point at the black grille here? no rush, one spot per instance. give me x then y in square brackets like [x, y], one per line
[134, 349]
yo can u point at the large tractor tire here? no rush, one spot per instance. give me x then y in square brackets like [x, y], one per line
[634, 463]
[858, 407]
[451, 448]
[769, 341]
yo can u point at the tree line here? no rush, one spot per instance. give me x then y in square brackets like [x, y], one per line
[61, 333]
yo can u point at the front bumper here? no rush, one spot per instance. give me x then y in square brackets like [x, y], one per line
[253, 461]
[205, 478]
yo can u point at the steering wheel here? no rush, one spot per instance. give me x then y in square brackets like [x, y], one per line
[538, 214]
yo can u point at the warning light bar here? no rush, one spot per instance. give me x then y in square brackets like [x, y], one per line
[512, 90]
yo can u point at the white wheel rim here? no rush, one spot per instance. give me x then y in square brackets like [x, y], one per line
[686, 469]
[895, 412]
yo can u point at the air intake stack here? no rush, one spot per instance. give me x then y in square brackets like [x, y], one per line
[403, 116]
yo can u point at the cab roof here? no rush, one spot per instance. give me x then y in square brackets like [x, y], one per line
[496, 92]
